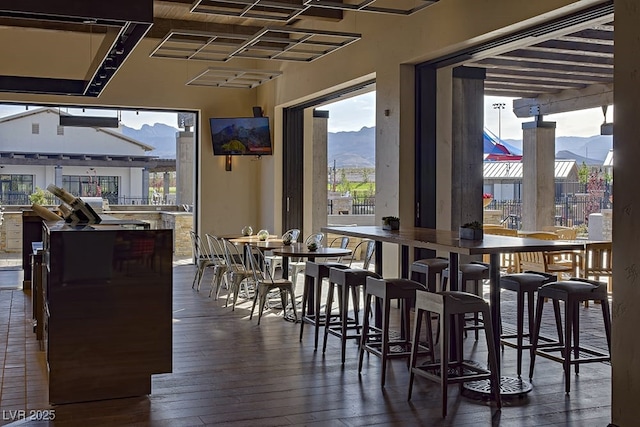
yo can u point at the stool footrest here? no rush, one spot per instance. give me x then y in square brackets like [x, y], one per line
[586, 354]
[337, 332]
[509, 338]
[470, 372]
[322, 319]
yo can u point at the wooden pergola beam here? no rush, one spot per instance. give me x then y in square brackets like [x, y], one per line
[567, 100]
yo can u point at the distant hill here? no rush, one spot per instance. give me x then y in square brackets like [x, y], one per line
[356, 149]
[160, 136]
[352, 149]
[592, 149]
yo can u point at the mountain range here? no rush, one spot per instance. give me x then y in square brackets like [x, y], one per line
[160, 136]
[356, 149]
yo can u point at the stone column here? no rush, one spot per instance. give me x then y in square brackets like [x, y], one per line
[185, 149]
[538, 170]
[625, 346]
[166, 181]
[145, 186]
[58, 176]
[320, 168]
[467, 148]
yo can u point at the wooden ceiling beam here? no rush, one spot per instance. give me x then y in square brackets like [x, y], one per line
[537, 66]
[497, 74]
[560, 58]
[564, 101]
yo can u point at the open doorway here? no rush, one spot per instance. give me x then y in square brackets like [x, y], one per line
[128, 158]
[351, 158]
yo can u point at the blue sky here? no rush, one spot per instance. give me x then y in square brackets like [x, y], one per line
[127, 117]
[354, 113]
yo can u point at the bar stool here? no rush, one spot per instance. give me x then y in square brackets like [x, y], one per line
[431, 268]
[376, 340]
[525, 285]
[314, 274]
[474, 272]
[349, 281]
[454, 369]
[573, 292]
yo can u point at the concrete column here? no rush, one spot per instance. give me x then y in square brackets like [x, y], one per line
[538, 180]
[166, 185]
[145, 186]
[58, 176]
[625, 349]
[467, 148]
[185, 171]
[319, 172]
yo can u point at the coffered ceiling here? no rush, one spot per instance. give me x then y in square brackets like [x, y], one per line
[573, 55]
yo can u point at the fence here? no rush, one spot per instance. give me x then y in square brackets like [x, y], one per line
[22, 199]
[571, 210]
[359, 206]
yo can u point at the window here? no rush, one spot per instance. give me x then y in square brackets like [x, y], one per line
[92, 186]
[60, 130]
[15, 189]
[35, 128]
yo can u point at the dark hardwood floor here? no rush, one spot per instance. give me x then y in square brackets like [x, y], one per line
[227, 370]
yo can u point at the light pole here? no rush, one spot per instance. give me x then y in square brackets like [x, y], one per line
[499, 106]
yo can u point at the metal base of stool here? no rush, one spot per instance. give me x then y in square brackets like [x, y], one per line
[509, 387]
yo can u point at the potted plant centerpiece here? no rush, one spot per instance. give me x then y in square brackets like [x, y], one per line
[471, 231]
[390, 223]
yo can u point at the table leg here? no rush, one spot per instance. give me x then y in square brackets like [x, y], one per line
[494, 302]
[310, 287]
[454, 266]
[377, 312]
[509, 386]
[378, 258]
[404, 266]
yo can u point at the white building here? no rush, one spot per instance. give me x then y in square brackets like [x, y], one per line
[35, 151]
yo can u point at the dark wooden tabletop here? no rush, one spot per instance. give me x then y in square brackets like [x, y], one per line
[449, 241]
[301, 250]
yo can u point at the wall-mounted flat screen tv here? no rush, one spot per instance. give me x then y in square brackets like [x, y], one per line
[241, 136]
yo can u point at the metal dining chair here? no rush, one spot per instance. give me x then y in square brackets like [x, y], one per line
[265, 283]
[202, 258]
[275, 261]
[238, 273]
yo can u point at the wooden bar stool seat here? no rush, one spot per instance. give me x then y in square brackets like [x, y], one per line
[314, 274]
[452, 368]
[431, 268]
[376, 340]
[526, 285]
[573, 292]
[349, 282]
[476, 273]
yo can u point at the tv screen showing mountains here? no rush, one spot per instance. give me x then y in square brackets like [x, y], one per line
[241, 136]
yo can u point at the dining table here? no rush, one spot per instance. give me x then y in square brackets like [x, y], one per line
[300, 250]
[449, 241]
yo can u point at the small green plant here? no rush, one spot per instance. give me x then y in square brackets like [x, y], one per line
[389, 219]
[39, 197]
[475, 225]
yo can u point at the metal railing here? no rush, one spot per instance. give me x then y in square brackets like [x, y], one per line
[358, 206]
[571, 210]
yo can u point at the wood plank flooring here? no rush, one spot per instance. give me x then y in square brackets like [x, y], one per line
[227, 370]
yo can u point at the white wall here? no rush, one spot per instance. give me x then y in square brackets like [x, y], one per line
[16, 135]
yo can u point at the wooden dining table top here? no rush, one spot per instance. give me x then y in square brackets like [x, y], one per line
[254, 239]
[301, 250]
[445, 240]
